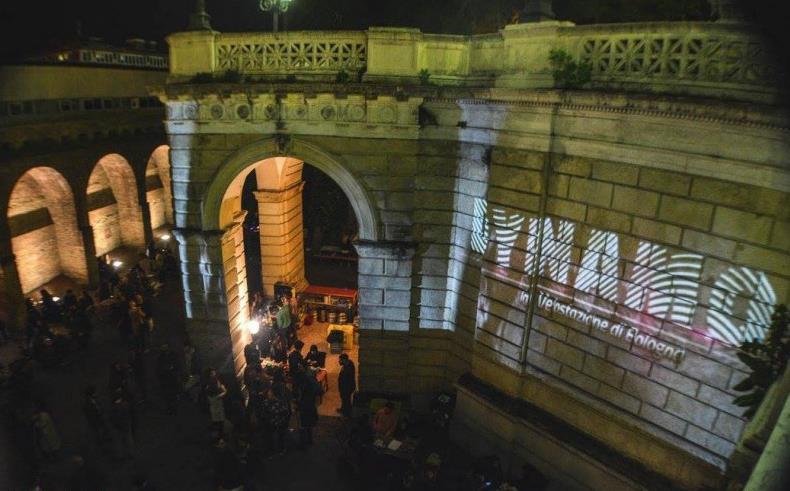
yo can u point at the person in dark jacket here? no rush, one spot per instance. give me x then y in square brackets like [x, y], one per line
[95, 417]
[308, 413]
[296, 363]
[346, 383]
[121, 417]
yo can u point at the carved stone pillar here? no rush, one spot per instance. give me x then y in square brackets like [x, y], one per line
[213, 323]
[199, 20]
[282, 236]
[385, 282]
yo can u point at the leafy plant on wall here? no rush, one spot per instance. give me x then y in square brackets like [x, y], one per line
[567, 73]
[767, 359]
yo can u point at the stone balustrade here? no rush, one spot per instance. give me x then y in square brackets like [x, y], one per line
[687, 58]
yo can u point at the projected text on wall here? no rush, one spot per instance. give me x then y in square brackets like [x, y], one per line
[616, 278]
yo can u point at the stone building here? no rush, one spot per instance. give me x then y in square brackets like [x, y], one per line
[580, 264]
[85, 169]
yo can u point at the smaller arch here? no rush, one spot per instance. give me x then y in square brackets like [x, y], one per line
[113, 205]
[306, 152]
[46, 239]
[158, 187]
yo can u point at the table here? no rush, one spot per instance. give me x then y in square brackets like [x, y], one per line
[348, 334]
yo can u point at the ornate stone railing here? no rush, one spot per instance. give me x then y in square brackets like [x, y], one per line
[700, 58]
[657, 56]
[291, 52]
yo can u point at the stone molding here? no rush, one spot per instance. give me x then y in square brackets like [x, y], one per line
[386, 249]
[278, 195]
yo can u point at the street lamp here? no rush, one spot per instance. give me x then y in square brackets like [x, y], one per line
[276, 6]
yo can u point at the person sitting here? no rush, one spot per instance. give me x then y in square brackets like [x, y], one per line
[315, 358]
[385, 421]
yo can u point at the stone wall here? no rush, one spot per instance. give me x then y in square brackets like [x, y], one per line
[37, 258]
[106, 229]
[157, 205]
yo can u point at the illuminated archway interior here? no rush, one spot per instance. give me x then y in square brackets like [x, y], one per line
[157, 185]
[114, 210]
[45, 237]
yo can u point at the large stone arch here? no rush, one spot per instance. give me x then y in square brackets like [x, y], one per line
[46, 238]
[332, 165]
[116, 217]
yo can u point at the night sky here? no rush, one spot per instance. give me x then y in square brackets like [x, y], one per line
[29, 26]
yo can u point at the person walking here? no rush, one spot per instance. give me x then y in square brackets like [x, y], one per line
[346, 383]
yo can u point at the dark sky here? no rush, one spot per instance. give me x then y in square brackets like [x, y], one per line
[29, 25]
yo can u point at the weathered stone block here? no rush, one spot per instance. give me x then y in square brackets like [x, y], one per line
[602, 370]
[691, 410]
[644, 389]
[663, 419]
[565, 354]
[763, 259]
[619, 399]
[586, 343]
[615, 172]
[738, 195]
[710, 441]
[708, 244]
[628, 361]
[593, 192]
[685, 212]
[656, 231]
[566, 209]
[729, 427]
[742, 225]
[517, 179]
[577, 166]
[664, 181]
[579, 379]
[675, 380]
[635, 201]
[607, 219]
[543, 362]
[558, 185]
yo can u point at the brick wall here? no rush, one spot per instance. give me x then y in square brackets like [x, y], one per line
[157, 206]
[658, 251]
[106, 229]
[37, 259]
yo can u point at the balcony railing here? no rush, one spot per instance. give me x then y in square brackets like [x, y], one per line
[699, 58]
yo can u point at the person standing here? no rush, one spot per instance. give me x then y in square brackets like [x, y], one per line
[346, 383]
[215, 393]
[167, 373]
[308, 413]
[277, 415]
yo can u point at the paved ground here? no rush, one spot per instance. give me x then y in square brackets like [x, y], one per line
[173, 452]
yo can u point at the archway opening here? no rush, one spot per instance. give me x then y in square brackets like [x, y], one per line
[158, 193]
[330, 231]
[264, 220]
[46, 239]
[113, 207]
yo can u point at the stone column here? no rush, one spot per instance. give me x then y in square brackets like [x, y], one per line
[148, 231]
[385, 310]
[203, 277]
[90, 256]
[282, 236]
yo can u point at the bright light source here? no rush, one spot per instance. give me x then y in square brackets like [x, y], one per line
[253, 326]
[56, 299]
[117, 264]
[165, 237]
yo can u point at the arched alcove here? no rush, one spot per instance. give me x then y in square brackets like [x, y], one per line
[158, 188]
[46, 239]
[113, 207]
